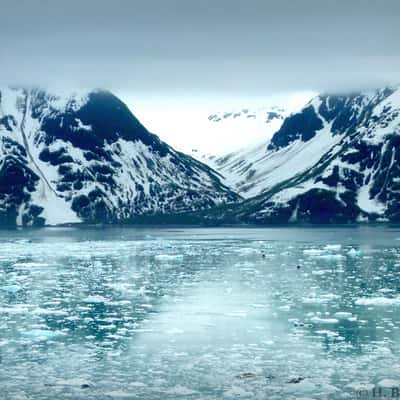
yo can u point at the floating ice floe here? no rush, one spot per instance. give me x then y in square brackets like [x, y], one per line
[30, 265]
[247, 250]
[333, 247]
[325, 253]
[385, 290]
[95, 299]
[328, 333]
[313, 252]
[320, 299]
[168, 257]
[268, 342]
[318, 320]
[378, 301]
[353, 252]
[343, 315]
[42, 334]
[121, 286]
[48, 311]
[318, 272]
[331, 257]
[137, 384]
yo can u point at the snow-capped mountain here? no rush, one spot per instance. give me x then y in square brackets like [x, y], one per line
[337, 160]
[86, 158]
[242, 170]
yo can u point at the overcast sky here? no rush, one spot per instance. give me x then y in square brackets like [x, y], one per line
[153, 51]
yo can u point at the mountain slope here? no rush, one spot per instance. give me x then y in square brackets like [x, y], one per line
[86, 158]
[243, 170]
[337, 160]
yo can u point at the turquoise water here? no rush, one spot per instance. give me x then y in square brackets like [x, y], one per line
[199, 313]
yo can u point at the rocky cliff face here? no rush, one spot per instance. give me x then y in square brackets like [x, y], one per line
[86, 158]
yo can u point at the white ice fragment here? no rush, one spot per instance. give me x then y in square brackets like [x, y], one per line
[343, 315]
[180, 391]
[353, 252]
[168, 257]
[318, 272]
[317, 320]
[268, 342]
[313, 252]
[42, 334]
[48, 311]
[137, 384]
[333, 247]
[328, 333]
[247, 250]
[378, 301]
[385, 290]
[119, 394]
[324, 298]
[29, 265]
[95, 299]
[331, 256]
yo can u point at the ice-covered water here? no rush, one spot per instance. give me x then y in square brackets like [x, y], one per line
[277, 313]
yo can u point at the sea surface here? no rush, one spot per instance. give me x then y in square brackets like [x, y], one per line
[147, 313]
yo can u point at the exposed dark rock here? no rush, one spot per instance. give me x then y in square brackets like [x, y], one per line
[296, 379]
[246, 375]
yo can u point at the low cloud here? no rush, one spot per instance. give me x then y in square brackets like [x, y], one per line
[189, 48]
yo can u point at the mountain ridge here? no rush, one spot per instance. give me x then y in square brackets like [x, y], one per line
[85, 158]
[339, 165]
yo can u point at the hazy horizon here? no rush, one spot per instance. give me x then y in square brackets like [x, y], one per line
[185, 125]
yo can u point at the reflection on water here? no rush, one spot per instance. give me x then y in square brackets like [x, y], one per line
[199, 313]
